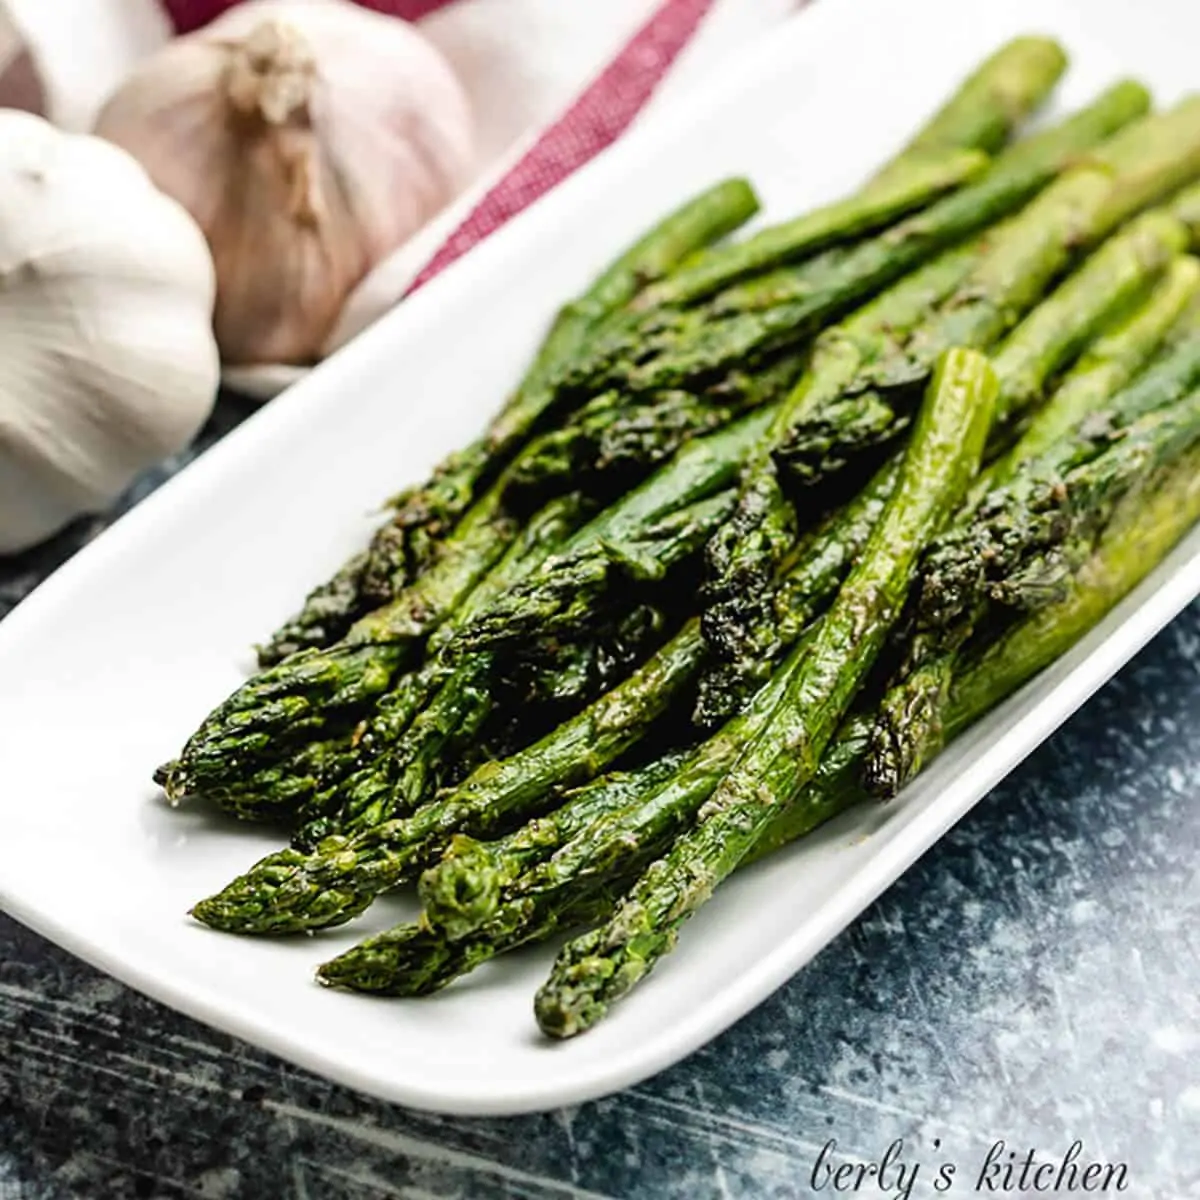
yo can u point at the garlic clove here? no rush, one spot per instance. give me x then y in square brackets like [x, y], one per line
[308, 140]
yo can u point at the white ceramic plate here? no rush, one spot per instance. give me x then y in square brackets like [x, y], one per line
[116, 658]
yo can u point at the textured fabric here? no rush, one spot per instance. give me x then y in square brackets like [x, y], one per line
[187, 15]
[595, 120]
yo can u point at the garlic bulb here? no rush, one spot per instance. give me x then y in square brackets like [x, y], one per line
[107, 358]
[309, 140]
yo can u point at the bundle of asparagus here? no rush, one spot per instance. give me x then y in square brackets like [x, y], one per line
[768, 522]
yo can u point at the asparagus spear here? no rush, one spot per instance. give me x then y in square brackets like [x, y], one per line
[871, 209]
[1110, 363]
[466, 885]
[782, 757]
[703, 342]
[1017, 551]
[1145, 527]
[748, 632]
[573, 593]
[291, 891]
[614, 440]
[403, 778]
[315, 694]
[414, 960]
[839, 411]
[424, 516]
[990, 103]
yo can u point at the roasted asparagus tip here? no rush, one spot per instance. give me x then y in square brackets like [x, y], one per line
[460, 893]
[288, 892]
[409, 960]
[573, 999]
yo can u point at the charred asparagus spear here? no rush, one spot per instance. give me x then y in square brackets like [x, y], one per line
[1018, 551]
[613, 442]
[1145, 527]
[383, 748]
[853, 400]
[1109, 364]
[572, 593]
[314, 694]
[783, 756]
[461, 891]
[1024, 257]
[292, 891]
[755, 319]
[423, 516]
[748, 633]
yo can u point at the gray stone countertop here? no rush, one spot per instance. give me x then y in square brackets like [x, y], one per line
[1034, 979]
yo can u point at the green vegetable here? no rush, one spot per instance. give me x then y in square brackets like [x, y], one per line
[1016, 551]
[783, 756]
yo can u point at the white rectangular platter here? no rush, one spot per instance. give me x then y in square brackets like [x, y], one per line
[114, 660]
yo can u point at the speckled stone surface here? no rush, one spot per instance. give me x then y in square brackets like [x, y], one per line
[1035, 978]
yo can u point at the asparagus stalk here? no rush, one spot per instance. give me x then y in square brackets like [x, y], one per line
[782, 757]
[424, 516]
[614, 440]
[414, 960]
[744, 556]
[871, 209]
[572, 594]
[749, 631]
[315, 694]
[1145, 527]
[1109, 364]
[462, 890]
[701, 344]
[291, 891]
[1018, 551]
[990, 104]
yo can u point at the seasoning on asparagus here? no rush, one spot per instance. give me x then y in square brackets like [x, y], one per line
[1018, 551]
[783, 756]
[852, 399]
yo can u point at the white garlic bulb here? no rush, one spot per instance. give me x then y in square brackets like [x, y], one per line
[309, 140]
[107, 358]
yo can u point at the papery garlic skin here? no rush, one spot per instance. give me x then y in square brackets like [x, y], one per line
[107, 358]
[309, 141]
